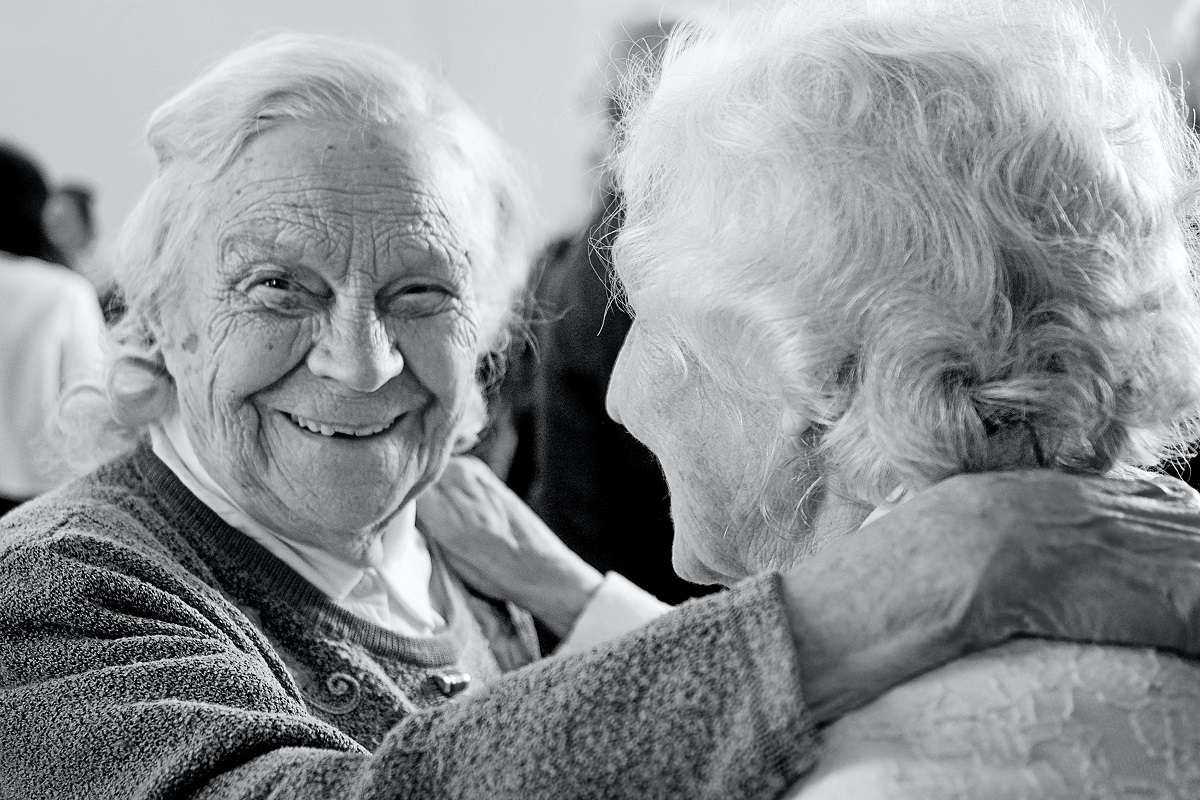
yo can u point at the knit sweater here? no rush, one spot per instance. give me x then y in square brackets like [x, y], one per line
[148, 650]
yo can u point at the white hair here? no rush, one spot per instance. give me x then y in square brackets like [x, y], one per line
[932, 228]
[196, 135]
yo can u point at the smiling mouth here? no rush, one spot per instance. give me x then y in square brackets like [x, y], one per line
[343, 431]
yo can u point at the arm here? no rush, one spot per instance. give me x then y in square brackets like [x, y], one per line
[963, 566]
[124, 679]
[642, 717]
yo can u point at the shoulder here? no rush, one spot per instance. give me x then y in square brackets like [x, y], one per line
[1020, 714]
[35, 275]
[106, 519]
[42, 291]
[101, 557]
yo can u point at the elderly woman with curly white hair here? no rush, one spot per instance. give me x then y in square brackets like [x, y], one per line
[873, 245]
[241, 602]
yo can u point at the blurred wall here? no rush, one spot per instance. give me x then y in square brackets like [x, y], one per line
[79, 78]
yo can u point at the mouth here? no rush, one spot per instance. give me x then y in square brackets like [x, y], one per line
[338, 430]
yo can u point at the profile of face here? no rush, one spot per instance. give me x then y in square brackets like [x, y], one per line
[710, 439]
[324, 345]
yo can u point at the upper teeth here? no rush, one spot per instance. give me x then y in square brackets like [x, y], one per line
[326, 429]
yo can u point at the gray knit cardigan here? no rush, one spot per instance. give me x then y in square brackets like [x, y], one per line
[148, 650]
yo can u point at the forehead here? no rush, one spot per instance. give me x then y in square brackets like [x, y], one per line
[337, 189]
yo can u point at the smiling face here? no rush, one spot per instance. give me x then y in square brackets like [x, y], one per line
[324, 345]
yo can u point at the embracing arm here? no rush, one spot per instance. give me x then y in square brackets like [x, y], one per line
[962, 566]
[120, 679]
[702, 703]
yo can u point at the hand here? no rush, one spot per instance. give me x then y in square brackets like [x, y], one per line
[501, 548]
[977, 559]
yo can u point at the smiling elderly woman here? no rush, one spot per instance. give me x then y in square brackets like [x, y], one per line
[240, 602]
[871, 245]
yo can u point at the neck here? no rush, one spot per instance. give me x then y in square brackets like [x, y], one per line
[836, 515]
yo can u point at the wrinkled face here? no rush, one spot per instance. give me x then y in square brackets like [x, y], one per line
[325, 345]
[712, 442]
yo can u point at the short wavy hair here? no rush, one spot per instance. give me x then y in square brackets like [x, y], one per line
[955, 236]
[196, 136]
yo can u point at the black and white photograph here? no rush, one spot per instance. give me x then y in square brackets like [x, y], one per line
[605, 399]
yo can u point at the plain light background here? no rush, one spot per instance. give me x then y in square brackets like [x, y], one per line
[79, 78]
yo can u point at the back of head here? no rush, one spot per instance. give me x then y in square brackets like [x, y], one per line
[80, 198]
[23, 194]
[947, 232]
[68, 223]
[633, 61]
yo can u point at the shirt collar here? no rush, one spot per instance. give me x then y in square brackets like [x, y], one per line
[334, 576]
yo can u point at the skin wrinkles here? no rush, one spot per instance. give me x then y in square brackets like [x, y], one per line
[333, 284]
[711, 442]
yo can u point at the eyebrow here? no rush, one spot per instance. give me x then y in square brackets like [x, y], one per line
[255, 244]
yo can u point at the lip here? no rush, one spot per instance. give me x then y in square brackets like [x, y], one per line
[344, 430]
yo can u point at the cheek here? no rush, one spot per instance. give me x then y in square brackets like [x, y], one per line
[441, 353]
[248, 355]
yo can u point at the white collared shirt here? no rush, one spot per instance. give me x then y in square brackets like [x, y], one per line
[392, 590]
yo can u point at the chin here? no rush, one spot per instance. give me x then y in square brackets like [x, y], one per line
[691, 568]
[348, 511]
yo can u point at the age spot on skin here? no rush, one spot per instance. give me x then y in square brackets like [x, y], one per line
[190, 343]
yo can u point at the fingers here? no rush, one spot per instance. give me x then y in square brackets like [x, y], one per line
[482, 488]
[462, 510]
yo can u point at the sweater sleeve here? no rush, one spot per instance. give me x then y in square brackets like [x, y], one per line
[119, 683]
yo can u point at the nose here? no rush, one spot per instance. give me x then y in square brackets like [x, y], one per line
[618, 384]
[355, 349]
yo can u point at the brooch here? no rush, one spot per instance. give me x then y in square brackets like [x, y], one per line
[450, 683]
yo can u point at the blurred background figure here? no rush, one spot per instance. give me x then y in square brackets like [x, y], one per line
[70, 225]
[49, 330]
[23, 196]
[595, 485]
[70, 222]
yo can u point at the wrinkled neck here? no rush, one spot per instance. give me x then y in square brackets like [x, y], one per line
[837, 515]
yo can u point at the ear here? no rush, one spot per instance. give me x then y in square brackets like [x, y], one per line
[793, 424]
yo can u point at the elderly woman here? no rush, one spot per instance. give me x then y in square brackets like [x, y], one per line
[239, 603]
[870, 246]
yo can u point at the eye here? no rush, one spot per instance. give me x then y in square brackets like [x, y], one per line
[281, 290]
[282, 284]
[416, 300]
